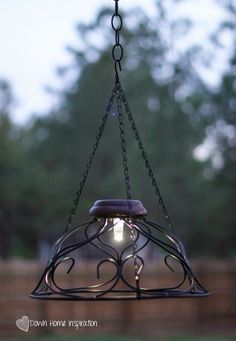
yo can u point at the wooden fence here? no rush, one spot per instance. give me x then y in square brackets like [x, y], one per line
[212, 315]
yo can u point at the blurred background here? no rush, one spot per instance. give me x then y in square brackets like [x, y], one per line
[179, 74]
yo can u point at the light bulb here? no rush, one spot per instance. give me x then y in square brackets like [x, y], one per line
[118, 229]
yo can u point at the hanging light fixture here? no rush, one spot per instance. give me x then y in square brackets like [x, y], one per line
[118, 230]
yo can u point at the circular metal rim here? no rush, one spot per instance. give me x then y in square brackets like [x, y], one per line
[163, 295]
[111, 208]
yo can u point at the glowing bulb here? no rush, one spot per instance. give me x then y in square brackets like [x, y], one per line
[118, 229]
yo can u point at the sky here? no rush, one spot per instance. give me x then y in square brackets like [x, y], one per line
[34, 33]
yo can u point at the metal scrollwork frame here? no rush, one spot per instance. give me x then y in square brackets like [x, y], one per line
[122, 285]
[188, 285]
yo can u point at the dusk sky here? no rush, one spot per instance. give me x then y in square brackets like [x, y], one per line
[33, 36]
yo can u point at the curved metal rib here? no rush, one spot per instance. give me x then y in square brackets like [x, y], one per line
[102, 242]
[48, 287]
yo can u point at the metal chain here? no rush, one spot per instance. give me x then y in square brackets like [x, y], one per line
[117, 51]
[145, 158]
[124, 149]
[117, 55]
[91, 157]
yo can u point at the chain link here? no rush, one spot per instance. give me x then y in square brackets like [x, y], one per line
[117, 50]
[145, 158]
[90, 160]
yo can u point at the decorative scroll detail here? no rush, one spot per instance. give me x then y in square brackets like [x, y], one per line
[120, 285]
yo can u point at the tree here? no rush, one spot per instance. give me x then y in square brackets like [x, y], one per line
[8, 169]
[218, 228]
[222, 215]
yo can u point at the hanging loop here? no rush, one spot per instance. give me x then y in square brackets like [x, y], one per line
[117, 62]
[116, 22]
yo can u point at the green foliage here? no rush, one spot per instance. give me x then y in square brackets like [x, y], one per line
[222, 216]
[10, 159]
